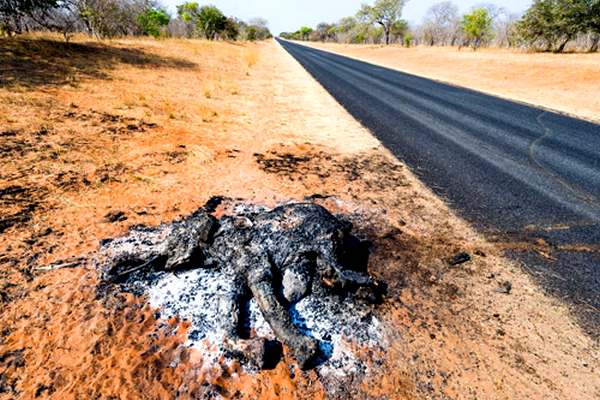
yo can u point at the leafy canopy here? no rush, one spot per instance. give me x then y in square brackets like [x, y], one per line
[384, 13]
[152, 20]
[554, 22]
[477, 26]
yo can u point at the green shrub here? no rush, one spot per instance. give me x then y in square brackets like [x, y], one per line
[152, 20]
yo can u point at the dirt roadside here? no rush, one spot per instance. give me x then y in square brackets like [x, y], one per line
[566, 83]
[145, 145]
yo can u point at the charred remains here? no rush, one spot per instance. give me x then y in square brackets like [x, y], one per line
[278, 257]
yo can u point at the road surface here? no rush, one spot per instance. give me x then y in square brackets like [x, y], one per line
[518, 173]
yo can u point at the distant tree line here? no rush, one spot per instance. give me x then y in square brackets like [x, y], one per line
[548, 25]
[115, 18]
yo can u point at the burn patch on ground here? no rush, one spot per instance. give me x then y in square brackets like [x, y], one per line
[38, 165]
[306, 165]
[17, 205]
[294, 275]
[112, 124]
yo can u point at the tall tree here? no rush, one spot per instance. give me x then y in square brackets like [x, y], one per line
[305, 32]
[211, 21]
[13, 11]
[594, 24]
[152, 20]
[477, 26]
[384, 13]
[188, 14]
[441, 23]
[398, 30]
[325, 31]
[556, 22]
[16, 7]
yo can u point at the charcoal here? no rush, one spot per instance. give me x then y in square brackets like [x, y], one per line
[277, 256]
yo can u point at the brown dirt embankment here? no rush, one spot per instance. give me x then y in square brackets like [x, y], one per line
[153, 130]
[567, 83]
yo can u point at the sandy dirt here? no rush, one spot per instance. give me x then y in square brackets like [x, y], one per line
[99, 137]
[567, 83]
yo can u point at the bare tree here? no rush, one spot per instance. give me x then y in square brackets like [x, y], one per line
[505, 28]
[442, 24]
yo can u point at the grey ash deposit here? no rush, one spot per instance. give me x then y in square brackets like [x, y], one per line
[256, 279]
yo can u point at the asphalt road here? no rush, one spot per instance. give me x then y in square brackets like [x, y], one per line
[518, 173]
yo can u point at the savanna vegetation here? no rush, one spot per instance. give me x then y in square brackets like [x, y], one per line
[118, 18]
[548, 25]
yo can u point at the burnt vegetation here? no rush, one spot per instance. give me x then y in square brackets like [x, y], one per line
[320, 165]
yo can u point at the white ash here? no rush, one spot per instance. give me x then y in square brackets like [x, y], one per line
[195, 295]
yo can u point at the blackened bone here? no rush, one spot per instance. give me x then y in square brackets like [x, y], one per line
[255, 250]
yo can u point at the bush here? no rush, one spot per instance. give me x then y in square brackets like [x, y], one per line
[477, 27]
[152, 20]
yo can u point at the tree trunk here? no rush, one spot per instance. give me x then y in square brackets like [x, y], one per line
[595, 44]
[562, 46]
[386, 33]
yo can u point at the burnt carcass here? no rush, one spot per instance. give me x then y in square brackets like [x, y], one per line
[277, 257]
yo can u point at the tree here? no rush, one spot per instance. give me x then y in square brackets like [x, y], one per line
[325, 32]
[571, 19]
[441, 24]
[13, 11]
[251, 33]
[110, 18]
[345, 28]
[23, 7]
[555, 23]
[505, 28]
[539, 24]
[477, 26]
[594, 24]
[188, 14]
[152, 20]
[208, 21]
[211, 21]
[232, 29]
[305, 32]
[398, 30]
[188, 11]
[384, 13]
[256, 29]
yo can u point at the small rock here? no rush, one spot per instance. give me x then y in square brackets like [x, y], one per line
[505, 288]
[115, 216]
[460, 258]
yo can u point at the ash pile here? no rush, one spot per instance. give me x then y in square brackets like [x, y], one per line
[257, 279]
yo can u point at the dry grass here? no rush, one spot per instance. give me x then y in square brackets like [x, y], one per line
[149, 142]
[564, 82]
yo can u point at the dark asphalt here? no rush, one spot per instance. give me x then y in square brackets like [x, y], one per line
[518, 173]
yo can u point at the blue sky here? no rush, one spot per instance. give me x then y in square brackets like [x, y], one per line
[289, 15]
